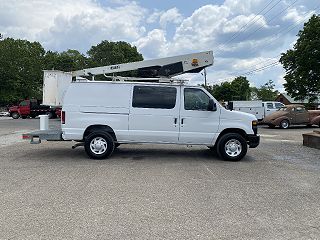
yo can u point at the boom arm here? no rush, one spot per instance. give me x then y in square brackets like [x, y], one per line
[162, 67]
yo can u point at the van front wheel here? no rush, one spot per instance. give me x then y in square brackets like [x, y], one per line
[99, 145]
[232, 147]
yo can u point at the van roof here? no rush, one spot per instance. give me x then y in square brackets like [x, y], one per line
[134, 82]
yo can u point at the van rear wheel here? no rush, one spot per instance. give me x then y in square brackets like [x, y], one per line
[99, 145]
[232, 147]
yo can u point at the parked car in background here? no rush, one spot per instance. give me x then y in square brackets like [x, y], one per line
[293, 115]
[4, 114]
[31, 108]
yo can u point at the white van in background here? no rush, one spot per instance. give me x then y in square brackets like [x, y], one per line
[271, 107]
[258, 108]
[252, 107]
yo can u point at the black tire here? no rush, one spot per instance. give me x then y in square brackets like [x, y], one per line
[232, 147]
[50, 115]
[284, 124]
[106, 143]
[23, 117]
[15, 115]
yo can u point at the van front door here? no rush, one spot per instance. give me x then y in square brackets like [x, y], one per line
[197, 124]
[154, 114]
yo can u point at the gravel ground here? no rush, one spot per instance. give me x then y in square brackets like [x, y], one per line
[50, 191]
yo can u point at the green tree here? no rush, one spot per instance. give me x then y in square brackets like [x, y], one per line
[266, 92]
[238, 89]
[302, 63]
[21, 64]
[109, 53]
[67, 61]
[241, 88]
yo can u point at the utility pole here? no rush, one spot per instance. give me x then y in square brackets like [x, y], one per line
[205, 77]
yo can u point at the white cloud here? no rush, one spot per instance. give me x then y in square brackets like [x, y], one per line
[293, 15]
[172, 15]
[154, 44]
[237, 7]
[63, 24]
[154, 16]
[241, 22]
[253, 63]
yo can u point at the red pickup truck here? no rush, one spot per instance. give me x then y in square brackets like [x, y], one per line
[31, 108]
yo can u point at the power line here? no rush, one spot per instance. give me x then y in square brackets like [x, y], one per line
[244, 26]
[281, 30]
[271, 40]
[249, 24]
[272, 19]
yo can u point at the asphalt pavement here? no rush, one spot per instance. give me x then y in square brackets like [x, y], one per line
[50, 191]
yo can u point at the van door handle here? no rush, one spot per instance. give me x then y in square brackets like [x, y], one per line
[175, 120]
[182, 120]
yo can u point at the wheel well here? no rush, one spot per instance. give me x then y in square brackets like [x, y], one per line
[100, 128]
[232, 130]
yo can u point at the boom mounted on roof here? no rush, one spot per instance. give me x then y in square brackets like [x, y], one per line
[156, 68]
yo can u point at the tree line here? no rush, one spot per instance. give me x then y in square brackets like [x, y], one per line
[239, 90]
[22, 62]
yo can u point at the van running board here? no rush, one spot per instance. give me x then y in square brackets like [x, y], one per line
[49, 135]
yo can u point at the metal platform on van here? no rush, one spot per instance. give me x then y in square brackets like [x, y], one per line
[49, 135]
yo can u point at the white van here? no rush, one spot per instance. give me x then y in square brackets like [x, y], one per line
[271, 107]
[252, 107]
[104, 114]
[258, 108]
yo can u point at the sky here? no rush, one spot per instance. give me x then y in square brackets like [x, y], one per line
[247, 37]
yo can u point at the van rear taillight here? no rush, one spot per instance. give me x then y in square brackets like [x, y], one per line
[63, 117]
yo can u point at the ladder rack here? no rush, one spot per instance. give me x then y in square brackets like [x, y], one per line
[156, 80]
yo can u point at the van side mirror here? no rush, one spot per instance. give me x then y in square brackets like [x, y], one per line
[212, 106]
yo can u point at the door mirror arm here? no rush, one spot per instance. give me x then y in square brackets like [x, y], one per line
[212, 106]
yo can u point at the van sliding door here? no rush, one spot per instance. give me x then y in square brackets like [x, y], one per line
[154, 114]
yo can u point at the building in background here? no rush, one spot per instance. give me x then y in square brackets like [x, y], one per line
[286, 100]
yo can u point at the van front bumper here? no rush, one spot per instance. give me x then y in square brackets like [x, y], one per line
[253, 140]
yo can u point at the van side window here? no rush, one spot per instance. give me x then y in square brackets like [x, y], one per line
[195, 99]
[270, 105]
[154, 97]
[278, 105]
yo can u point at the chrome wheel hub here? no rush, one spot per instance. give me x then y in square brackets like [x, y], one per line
[98, 145]
[284, 124]
[233, 148]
